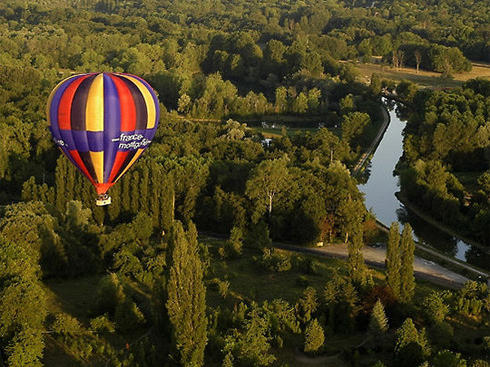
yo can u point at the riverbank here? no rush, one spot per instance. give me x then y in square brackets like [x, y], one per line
[436, 255]
[434, 222]
[374, 144]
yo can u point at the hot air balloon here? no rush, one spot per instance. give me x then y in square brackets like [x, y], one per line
[103, 122]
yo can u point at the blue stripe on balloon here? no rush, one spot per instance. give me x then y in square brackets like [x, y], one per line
[112, 124]
[88, 141]
[67, 138]
[95, 141]
[81, 140]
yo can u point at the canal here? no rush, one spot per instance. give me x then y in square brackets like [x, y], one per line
[382, 185]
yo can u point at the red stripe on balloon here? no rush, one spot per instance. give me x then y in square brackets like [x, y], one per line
[128, 109]
[78, 160]
[118, 162]
[64, 109]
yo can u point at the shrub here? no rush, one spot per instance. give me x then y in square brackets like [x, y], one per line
[222, 286]
[446, 358]
[102, 324]
[65, 324]
[128, 316]
[314, 337]
[109, 294]
[275, 261]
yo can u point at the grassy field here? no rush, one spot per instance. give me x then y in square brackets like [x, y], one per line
[427, 79]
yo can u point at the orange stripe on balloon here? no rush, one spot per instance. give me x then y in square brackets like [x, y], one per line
[64, 110]
[118, 162]
[53, 92]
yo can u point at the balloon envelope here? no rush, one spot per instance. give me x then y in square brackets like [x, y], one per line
[103, 122]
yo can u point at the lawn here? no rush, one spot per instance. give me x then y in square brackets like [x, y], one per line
[424, 78]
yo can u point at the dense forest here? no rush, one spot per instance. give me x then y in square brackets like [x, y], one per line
[180, 269]
[446, 163]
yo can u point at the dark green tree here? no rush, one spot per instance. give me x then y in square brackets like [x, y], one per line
[314, 336]
[446, 358]
[268, 181]
[378, 323]
[435, 308]
[407, 280]
[393, 260]
[186, 302]
[355, 259]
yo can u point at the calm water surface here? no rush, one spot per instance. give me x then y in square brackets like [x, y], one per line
[380, 196]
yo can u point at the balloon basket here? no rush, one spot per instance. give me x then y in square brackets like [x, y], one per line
[103, 200]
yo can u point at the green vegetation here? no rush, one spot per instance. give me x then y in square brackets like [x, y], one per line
[131, 284]
[446, 139]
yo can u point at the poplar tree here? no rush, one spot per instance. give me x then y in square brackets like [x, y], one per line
[144, 187]
[186, 302]
[134, 191]
[167, 203]
[407, 280]
[355, 260]
[155, 192]
[393, 260]
[115, 208]
[126, 192]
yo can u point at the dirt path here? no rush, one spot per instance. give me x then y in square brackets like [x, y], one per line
[423, 269]
[374, 144]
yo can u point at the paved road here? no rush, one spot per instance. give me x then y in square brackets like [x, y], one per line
[441, 256]
[423, 269]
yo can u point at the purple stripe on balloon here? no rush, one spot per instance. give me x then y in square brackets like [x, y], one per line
[53, 108]
[150, 133]
[95, 141]
[112, 124]
[80, 138]
[84, 141]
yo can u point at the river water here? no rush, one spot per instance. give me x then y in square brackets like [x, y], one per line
[380, 190]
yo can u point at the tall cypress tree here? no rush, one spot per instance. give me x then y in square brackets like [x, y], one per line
[407, 280]
[135, 191]
[393, 260]
[357, 267]
[155, 193]
[115, 208]
[186, 302]
[126, 193]
[143, 189]
[64, 183]
[167, 203]
[378, 324]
